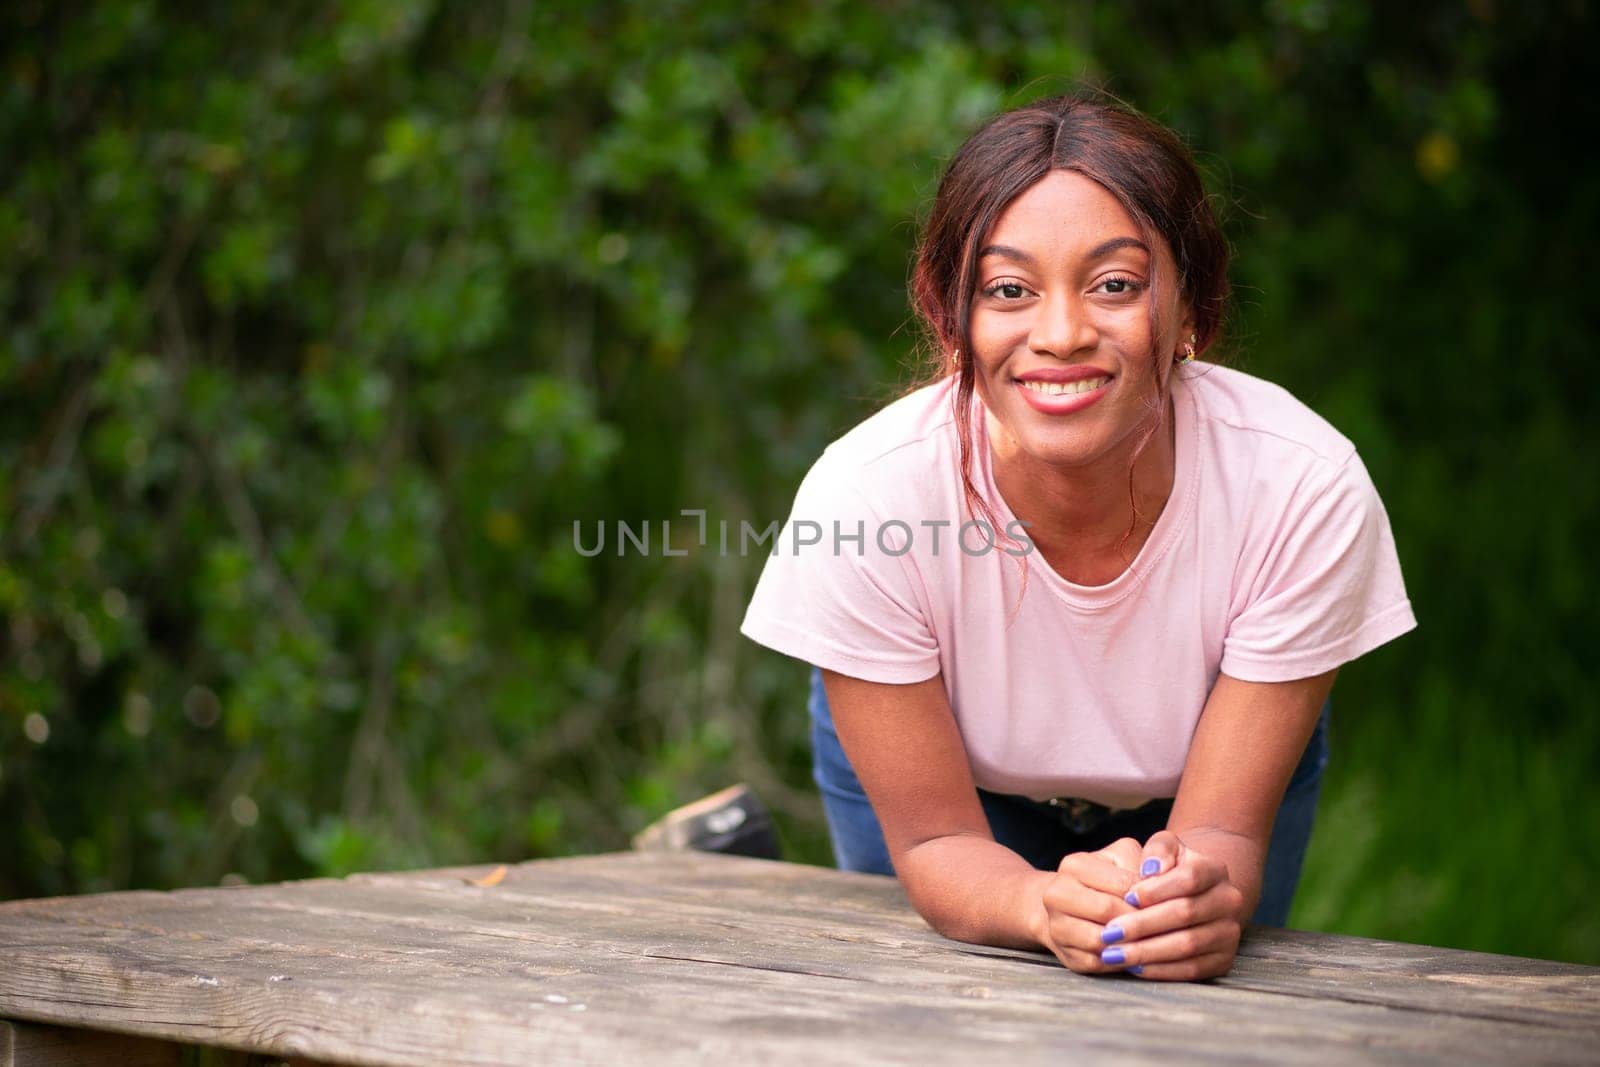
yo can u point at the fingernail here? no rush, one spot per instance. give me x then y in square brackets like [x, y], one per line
[1132, 898]
[1111, 935]
[1136, 969]
[1149, 867]
[1112, 956]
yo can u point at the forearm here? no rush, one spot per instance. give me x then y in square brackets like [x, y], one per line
[970, 888]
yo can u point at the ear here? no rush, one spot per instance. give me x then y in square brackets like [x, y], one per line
[1186, 327]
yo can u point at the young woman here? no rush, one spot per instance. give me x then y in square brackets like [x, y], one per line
[1078, 603]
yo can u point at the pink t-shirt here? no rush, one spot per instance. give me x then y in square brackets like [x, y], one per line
[1272, 561]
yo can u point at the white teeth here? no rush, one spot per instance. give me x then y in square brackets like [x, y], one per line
[1066, 388]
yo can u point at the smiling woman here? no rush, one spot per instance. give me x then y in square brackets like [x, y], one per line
[1107, 739]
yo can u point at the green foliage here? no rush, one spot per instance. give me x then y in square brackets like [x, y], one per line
[322, 327]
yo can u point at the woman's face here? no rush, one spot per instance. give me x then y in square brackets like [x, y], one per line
[1061, 327]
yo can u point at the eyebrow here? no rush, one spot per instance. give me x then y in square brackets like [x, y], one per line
[1104, 248]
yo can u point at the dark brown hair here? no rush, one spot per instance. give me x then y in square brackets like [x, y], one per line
[1140, 162]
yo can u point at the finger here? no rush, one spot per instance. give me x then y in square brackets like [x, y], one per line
[1097, 871]
[1210, 965]
[1221, 901]
[1059, 936]
[1219, 935]
[1068, 895]
[1192, 874]
[1160, 853]
[1124, 853]
[1074, 957]
[1070, 931]
[1082, 962]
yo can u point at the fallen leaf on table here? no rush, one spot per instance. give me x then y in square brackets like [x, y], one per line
[494, 877]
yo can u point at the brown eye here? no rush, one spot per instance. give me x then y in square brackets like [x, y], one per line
[1006, 290]
[1120, 286]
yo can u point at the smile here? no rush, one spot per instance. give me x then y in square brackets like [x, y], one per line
[1087, 385]
[1057, 399]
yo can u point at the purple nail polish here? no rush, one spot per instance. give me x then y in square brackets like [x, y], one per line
[1111, 934]
[1149, 867]
[1136, 969]
[1112, 956]
[1132, 898]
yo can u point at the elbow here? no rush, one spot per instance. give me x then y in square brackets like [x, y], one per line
[1005, 908]
[943, 902]
[946, 916]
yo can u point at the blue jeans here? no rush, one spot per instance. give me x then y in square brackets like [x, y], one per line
[1037, 832]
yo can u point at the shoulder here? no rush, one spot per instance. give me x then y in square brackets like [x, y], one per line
[1272, 466]
[1248, 418]
[914, 424]
[893, 451]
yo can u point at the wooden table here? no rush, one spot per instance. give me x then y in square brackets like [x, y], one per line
[693, 958]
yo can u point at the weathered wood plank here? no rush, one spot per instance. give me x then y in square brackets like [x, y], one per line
[679, 958]
[380, 933]
[796, 897]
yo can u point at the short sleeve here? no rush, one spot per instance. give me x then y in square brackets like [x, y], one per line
[839, 592]
[1326, 587]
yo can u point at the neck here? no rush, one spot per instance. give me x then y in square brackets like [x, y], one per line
[1083, 519]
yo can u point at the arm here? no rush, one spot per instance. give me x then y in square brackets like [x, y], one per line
[905, 748]
[1210, 857]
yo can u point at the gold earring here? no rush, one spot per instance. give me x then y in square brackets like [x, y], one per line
[1188, 349]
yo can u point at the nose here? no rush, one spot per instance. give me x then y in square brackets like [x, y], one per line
[1061, 326]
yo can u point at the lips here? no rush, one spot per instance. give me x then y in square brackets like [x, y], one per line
[1082, 385]
[1062, 390]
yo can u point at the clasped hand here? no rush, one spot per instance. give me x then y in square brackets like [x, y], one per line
[1161, 911]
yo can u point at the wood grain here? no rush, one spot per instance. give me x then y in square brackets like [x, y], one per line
[686, 957]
